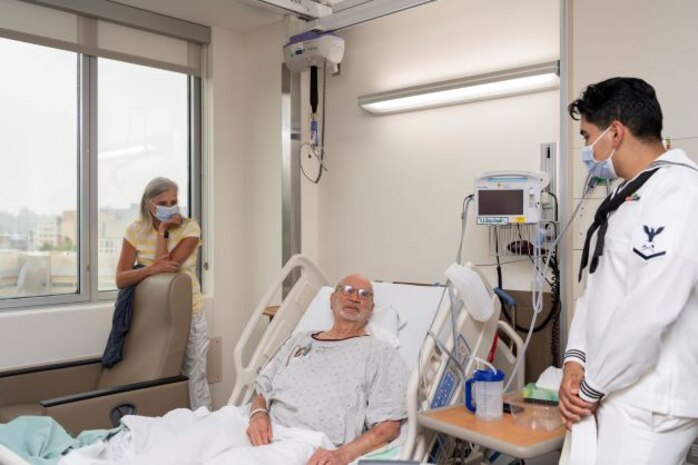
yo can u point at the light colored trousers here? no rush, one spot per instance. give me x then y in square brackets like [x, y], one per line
[195, 362]
[633, 435]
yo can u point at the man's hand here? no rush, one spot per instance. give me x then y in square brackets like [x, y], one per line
[327, 457]
[259, 430]
[571, 406]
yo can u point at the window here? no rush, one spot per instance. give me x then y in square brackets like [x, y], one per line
[64, 208]
[39, 174]
[143, 133]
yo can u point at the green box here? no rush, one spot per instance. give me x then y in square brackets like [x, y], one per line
[533, 394]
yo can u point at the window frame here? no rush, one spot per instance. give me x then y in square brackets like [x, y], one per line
[87, 188]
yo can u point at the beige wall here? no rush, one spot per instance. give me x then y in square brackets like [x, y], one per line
[643, 38]
[225, 167]
[651, 40]
[390, 205]
[263, 138]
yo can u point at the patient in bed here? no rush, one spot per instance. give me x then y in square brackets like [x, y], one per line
[340, 382]
[325, 398]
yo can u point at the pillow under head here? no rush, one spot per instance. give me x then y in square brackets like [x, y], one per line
[384, 323]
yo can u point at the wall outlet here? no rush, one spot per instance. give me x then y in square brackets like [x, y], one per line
[214, 360]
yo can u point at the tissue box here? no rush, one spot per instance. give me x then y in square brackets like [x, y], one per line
[533, 416]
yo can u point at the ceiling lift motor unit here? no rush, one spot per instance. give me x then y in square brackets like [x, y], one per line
[319, 49]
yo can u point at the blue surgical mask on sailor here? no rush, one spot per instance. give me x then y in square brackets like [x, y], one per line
[164, 213]
[600, 169]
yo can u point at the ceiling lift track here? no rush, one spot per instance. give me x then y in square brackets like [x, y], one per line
[305, 9]
[344, 14]
[362, 12]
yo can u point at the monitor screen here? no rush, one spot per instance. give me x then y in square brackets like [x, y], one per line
[500, 202]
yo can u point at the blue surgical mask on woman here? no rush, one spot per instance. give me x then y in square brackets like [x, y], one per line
[600, 169]
[164, 213]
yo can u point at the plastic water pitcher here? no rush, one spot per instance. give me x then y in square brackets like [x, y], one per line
[489, 390]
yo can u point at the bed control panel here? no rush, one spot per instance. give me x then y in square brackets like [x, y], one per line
[451, 378]
[444, 393]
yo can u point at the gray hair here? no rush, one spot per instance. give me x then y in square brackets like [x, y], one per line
[154, 188]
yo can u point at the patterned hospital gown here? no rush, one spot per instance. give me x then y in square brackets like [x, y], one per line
[335, 387]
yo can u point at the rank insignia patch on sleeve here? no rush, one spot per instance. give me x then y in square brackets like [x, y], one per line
[648, 249]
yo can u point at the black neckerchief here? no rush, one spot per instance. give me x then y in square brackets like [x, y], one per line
[608, 206]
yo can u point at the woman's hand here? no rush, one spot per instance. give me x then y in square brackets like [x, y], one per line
[175, 220]
[327, 457]
[164, 265]
[259, 430]
[571, 406]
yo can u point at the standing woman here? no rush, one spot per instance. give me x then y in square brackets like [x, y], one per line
[165, 242]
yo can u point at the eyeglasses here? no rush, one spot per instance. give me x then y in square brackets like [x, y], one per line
[348, 289]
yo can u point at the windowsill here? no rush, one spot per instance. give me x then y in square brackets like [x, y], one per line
[54, 308]
[105, 302]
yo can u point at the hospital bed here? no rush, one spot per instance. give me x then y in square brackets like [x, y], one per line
[420, 309]
[305, 306]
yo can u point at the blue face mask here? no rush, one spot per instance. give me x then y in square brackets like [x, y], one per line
[164, 213]
[600, 169]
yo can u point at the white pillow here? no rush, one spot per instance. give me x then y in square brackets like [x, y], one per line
[384, 323]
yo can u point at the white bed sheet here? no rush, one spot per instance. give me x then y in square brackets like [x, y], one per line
[183, 437]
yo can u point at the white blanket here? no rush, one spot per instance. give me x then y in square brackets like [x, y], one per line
[183, 437]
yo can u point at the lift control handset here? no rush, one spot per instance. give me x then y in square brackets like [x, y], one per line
[506, 197]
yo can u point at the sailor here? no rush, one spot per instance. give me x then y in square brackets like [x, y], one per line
[632, 353]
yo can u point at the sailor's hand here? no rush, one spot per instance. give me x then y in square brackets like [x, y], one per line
[571, 406]
[259, 430]
[327, 457]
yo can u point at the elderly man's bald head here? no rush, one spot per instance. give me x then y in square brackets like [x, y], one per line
[357, 279]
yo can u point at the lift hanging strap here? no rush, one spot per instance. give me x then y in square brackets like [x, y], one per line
[313, 89]
[609, 205]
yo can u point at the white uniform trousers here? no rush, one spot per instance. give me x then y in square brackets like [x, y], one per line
[195, 362]
[633, 435]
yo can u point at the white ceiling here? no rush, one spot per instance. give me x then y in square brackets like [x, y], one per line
[236, 15]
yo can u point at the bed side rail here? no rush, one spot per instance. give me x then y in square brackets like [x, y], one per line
[292, 308]
[420, 393]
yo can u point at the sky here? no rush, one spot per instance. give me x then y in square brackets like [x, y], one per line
[142, 121]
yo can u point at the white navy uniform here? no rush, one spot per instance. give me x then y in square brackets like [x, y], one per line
[635, 330]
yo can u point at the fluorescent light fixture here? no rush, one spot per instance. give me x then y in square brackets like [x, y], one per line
[518, 81]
